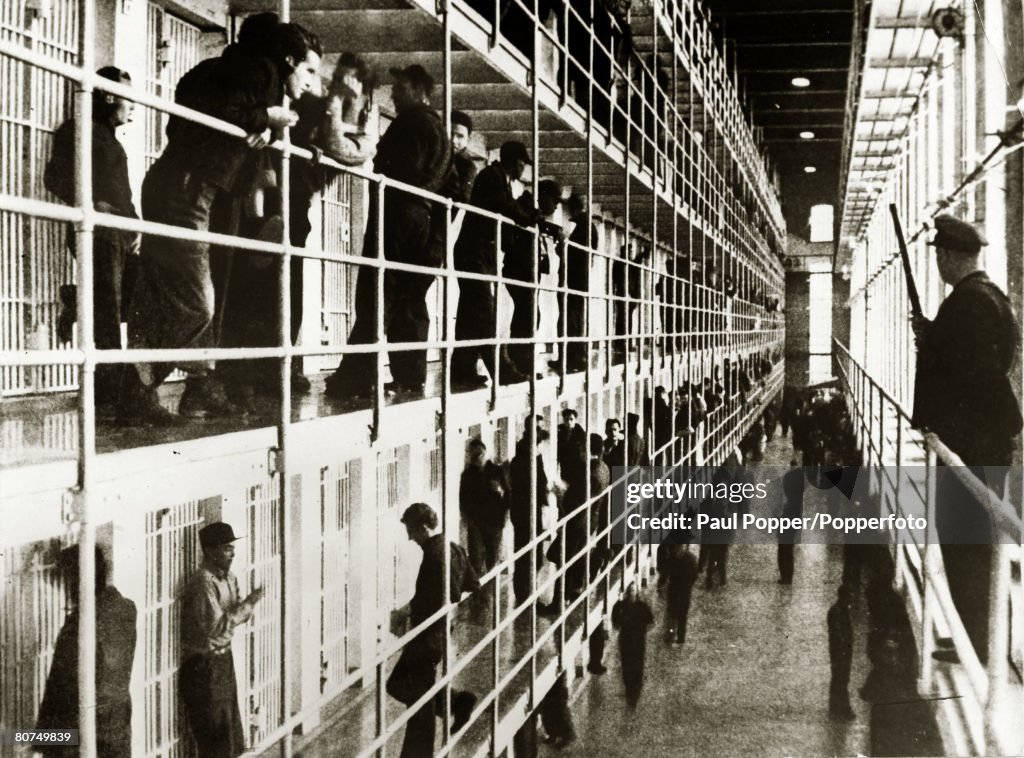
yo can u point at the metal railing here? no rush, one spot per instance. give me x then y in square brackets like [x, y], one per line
[693, 305]
[894, 455]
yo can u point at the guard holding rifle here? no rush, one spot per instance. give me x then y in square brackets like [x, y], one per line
[963, 394]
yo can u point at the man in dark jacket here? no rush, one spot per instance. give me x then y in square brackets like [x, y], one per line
[115, 654]
[416, 668]
[520, 264]
[174, 304]
[632, 617]
[415, 150]
[519, 501]
[475, 252]
[964, 395]
[465, 167]
[793, 483]
[574, 273]
[572, 448]
[681, 572]
[483, 500]
[113, 251]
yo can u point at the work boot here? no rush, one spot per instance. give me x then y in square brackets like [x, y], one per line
[341, 386]
[204, 397]
[140, 406]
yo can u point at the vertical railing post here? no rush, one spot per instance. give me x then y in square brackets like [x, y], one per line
[928, 559]
[998, 665]
[289, 648]
[444, 8]
[87, 390]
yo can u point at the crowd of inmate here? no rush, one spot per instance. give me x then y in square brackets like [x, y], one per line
[177, 292]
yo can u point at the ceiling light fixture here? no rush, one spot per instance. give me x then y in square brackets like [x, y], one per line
[809, 169]
[806, 135]
[801, 81]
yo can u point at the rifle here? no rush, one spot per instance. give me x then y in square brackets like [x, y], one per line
[915, 301]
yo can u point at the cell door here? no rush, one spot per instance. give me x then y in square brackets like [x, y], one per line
[172, 556]
[173, 49]
[34, 260]
[336, 491]
[262, 686]
[33, 607]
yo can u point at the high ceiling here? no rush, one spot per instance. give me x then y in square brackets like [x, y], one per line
[771, 43]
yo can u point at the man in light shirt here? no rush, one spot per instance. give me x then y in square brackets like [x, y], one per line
[210, 614]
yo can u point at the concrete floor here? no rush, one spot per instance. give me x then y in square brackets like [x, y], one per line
[753, 676]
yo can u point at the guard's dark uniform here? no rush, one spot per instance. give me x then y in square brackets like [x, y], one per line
[963, 394]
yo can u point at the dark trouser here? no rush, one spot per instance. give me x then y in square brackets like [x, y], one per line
[210, 695]
[678, 610]
[418, 664]
[484, 546]
[966, 537]
[521, 570]
[786, 550]
[174, 300]
[838, 688]
[114, 272]
[716, 557]
[248, 312]
[595, 645]
[525, 317]
[555, 714]
[632, 653]
[406, 238]
[570, 324]
[475, 319]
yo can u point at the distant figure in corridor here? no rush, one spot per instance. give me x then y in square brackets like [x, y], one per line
[793, 482]
[682, 572]
[115, 653]
[632, 617]
[840, 655]
[964, 395]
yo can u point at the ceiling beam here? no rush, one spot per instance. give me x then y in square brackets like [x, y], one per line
[895, 22]
[796, 70]
[788, 43]
[900, 62]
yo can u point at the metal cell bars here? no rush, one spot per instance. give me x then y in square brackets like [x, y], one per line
[392, 493]
[33, 258]
[336, 491]
[172, 555]
[337, 280]
[261, 691]
[981, 722]
[34, 607]
[172, 46]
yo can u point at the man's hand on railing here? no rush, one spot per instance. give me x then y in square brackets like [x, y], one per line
[279, 117]
[257, 140]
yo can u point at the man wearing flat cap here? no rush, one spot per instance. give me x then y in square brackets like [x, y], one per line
[414, 150]
[211, 611]
[476, 252]
[964, 395]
